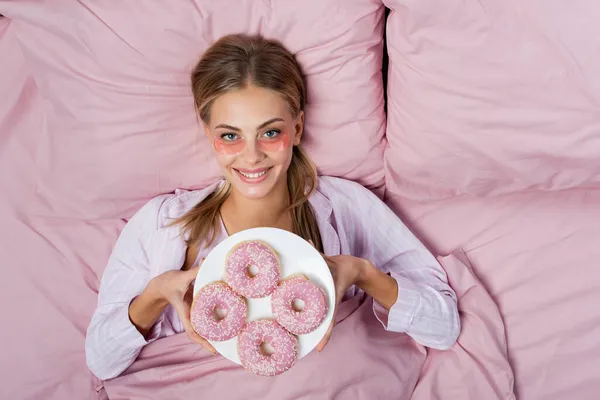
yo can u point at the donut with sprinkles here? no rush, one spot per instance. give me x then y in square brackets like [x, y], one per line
[204, 315]
[251, 348]
[313, 300]
[252, 269]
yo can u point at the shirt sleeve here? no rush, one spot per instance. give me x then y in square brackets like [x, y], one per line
[426, 308]
[112, 342]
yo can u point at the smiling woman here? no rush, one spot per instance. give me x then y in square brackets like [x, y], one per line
[250, 95]
[253, 114]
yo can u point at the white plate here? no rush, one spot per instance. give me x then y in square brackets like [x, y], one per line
[296, 255]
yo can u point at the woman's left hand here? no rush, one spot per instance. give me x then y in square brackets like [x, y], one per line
[346, 271]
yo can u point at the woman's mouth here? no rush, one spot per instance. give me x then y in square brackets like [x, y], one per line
[252, 176]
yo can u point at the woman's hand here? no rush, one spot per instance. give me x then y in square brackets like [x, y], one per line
[346, 271]
[175, 288]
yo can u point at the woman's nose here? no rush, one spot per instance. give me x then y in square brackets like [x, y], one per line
[252, 153]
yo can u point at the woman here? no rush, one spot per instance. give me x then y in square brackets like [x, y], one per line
[250, 97]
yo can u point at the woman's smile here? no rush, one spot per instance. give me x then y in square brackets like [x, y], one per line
[253, 176]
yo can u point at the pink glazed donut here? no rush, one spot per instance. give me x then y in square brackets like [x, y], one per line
[315, 305]
[252, 356]
[204, 318]
[257, 255]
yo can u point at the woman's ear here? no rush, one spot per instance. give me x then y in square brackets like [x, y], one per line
[299, 128]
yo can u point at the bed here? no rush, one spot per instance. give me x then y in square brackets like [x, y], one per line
[488, 151]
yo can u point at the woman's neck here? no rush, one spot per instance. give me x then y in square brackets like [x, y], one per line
[240, 213]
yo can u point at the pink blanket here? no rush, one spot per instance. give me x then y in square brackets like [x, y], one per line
[351, 367]
[477, 366]
[537, 255]
[362, 361]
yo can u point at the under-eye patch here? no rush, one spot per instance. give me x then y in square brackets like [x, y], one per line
[230, 144]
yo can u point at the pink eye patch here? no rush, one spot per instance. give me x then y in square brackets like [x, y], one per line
[228, 147]
[233, 147]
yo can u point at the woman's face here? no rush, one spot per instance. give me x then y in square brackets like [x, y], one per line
[253, 132]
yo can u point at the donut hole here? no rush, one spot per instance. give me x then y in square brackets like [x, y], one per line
[252, 270]
[298, 305]
[266, 349]
[219, 313]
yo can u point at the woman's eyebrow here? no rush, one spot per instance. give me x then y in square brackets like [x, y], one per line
[225, 126]
[269, 122]
[261, 126]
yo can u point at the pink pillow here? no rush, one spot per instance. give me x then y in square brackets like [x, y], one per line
[120, 112]
[490, 97]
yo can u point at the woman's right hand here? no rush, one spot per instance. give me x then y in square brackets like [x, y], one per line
[176, 288]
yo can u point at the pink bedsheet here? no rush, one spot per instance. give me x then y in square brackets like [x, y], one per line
[537, 254]
[46, 284]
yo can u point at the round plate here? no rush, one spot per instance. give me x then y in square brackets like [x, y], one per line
[296, 255]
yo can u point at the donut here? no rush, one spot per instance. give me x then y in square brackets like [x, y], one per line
[203, 313]
[252, 255]
[255, 359]
[315, 305]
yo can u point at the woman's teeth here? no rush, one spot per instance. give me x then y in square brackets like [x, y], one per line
[253, 175]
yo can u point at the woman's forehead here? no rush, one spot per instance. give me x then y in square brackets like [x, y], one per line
[248, 108]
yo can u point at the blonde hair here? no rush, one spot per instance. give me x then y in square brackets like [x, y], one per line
[231, 63]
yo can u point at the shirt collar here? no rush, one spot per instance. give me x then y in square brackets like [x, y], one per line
[184, 200]
[321, 205]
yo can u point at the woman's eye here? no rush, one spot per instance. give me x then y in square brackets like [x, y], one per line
[271, 134]
[229, 137]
